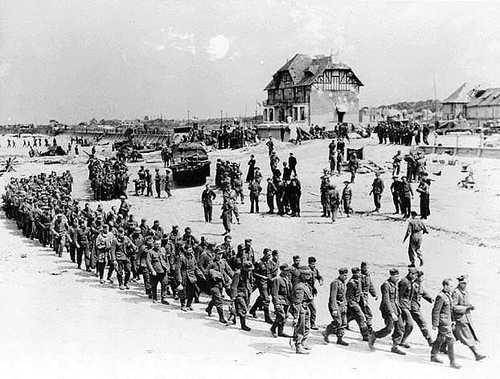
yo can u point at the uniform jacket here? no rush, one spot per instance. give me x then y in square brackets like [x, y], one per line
[188, 271]
[337, 301]
[417, 294]
[281, 290]
[367, 286]
[242, 284]
[354, 294]
[223, 267]
[390, 298]
[464, 330]
[301, 298]
[156, 261]
[441, 312]
[207, 196]
[405, 292]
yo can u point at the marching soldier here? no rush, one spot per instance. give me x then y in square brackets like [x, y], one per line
[158, 267]
[207, 197]
[442, 320]
[416, 229]
[301, 297]
[377, 190]
[337, 306]
[391, 313]
[333, 200]
[347, 197]
[220, 275]
[281, 291]
[405, 293]
[315, 276]
[367, 288]
[262, 276]
[123, 254]
[462, 308]
[354, 298]
[241, 289]
[415, 309]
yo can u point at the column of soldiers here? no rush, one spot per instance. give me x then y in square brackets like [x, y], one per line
[402, 133]
[184, 267]
[108, 178]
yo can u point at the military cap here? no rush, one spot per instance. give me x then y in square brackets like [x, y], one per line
[296, 257]
[248, 240]
[364, 264]
[355, 270]
[393, 271]
[462, 278]
[284, 267]
[412, 270]
[343, 270]
[420, 273]
[311, 259]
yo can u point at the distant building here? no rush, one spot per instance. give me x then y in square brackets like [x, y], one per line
[370, 115]
[313, 90]
[455, 106]
[484, 105]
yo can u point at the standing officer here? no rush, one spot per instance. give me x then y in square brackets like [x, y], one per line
[270, 193]
[354, 297]
[333, 199]
[301, 297]
[442, 320]
[255, 190]
[396, 192]
[167, 183]
[157, 182]
[337, 306]
[377, 189]
[324, 187]
[292, 163]
[391, 313]
[405, 197]
[227, 216]
[281, 291]
[347, 197]
[353, 166]
[207, 196]
[149, 183]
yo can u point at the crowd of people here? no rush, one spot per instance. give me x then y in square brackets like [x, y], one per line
[402, 133]
[108, 178]
[144, 182]
[185, 267]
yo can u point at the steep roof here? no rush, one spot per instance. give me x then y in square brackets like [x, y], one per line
[485, 97]
[305, 69]
[460, 95]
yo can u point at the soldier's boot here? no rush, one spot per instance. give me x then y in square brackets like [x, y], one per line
[435, 359]
[273, 331]
[299, 349]
[326, 333]
[341, 342]
[395, 349]
[244, 324]
[404, 344]
[253, 310]
[305, 345]
[120, 281]
[267, 316]
[427, 337]
[371, 341]
[222, 320]
[365, 333]
[281, 333]
[209, 310]
[476, 353]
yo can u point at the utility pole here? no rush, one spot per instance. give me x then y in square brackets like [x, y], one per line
[221, 118]
[188, 115]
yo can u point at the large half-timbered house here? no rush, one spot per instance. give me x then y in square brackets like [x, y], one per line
[313, 91]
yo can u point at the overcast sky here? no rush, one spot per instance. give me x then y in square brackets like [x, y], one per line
[77, 59]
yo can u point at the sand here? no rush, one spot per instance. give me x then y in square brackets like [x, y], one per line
[59, 322]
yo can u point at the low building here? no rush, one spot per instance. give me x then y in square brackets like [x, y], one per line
[312, 91]
[484, 105]
[455, 106]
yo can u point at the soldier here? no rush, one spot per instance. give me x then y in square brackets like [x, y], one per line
[241, 289]
[281, 291]
[59, 229]
[301, 297]
[103, 249]
[333, 199]
[416, 295]
[338, 308]
[442, 320]
[207, 196]
[292, 163]
[143, 265]
[124, 207]
[149, 183]
[396, 192]
[353, 166]
[220, 275]
[367, 288]
[315, 276]
[158, 267]
[332, 155]
[270, 145]
[346, 198]
[227, 216]
[167, 183]
[324, 187]
[405, 197]
[423, 190]
[391, 313]
[377, 190]
[82, 245]
[396, 163]
[405, 294]
[416, 229]
[262, 276]
[157, 182]
[255, 190]
[187, 277]
[270, 193]
[464, 330]
[354, 298]
[124, 254]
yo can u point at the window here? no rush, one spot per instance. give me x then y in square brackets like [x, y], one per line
[265, 115]
[295, 113]
[271, 115]
[302, 114]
